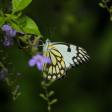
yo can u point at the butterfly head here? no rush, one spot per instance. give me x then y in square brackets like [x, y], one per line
[45, 45]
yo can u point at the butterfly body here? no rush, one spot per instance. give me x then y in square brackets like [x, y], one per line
[63, 56]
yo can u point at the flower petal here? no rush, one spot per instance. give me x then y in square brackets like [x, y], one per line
[39, 66]
[47, 60]
[32, 62]
[39, 60]
[6, 28]
[8, 34]
[12, 33]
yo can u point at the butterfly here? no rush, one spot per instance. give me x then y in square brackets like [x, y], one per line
[63, 56]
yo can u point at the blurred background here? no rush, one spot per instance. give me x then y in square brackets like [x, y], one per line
[87, 88]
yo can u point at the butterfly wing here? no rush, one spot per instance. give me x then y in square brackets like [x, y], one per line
[73, 55]
[57, 68]
[63, 56]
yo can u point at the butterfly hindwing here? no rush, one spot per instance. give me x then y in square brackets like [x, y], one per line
[57, 68]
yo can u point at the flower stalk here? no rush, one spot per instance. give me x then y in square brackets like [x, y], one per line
[47, 94]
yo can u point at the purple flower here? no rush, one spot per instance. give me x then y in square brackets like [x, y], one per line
[9, 33]
[39, 60]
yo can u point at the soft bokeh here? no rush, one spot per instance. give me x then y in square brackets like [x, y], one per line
[87, 88]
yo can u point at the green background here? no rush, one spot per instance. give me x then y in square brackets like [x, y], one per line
[87, 88]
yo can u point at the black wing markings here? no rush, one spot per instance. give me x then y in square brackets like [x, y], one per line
[80, 57]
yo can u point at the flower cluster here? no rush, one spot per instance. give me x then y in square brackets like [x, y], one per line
[9, 34]
[39, 60]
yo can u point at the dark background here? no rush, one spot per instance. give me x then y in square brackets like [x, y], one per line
[87, 88]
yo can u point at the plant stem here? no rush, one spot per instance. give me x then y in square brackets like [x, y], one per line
[45, 86]
[48, 100]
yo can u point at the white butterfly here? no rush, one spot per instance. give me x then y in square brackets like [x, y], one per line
[63, 56]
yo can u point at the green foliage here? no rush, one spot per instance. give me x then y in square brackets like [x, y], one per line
[15, 89]
[18, 5]
[10, 77]
[29, 39]
[104, 4]
[2, 18]
[23, 24]
[2, 21]
[48, 94]
[28, 25]
[17, 20]
[51, 93]
[15, 26]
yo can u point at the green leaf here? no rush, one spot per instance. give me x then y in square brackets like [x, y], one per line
[15, 95]
[43, 96]
[18, 5]
[2, 21]
[15, 26]
[28, 25]
[13, 17]
[102, 5]
[53, 101]
[51, 93]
